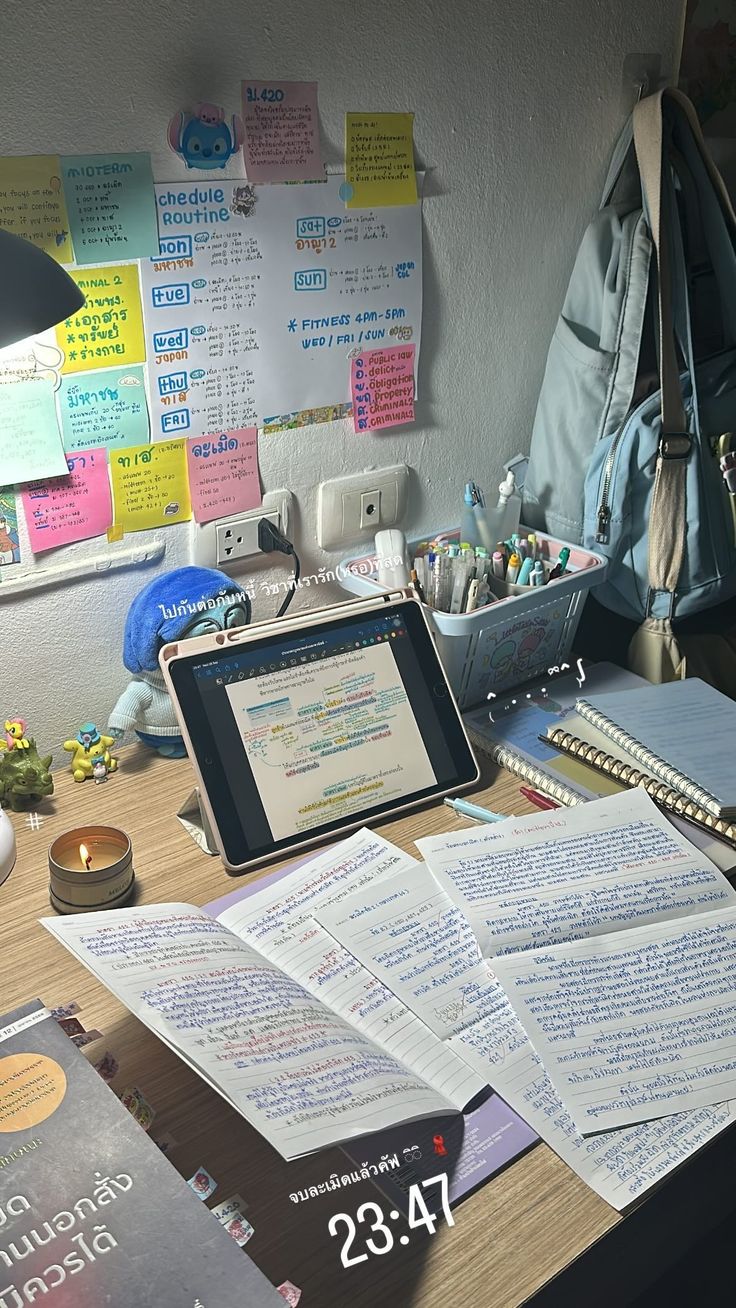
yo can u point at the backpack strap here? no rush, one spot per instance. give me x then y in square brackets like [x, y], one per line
[667, 518]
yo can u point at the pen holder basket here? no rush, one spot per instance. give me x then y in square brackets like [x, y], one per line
[527, 632]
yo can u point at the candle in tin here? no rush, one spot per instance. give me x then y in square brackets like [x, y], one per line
[90, 868]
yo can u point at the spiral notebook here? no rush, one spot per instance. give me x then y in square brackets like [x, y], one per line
[683, 733]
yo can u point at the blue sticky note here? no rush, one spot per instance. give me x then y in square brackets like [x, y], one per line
[105, 407]
[111, 206]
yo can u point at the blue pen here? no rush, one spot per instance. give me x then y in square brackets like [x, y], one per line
[466, 809]
[537, 578]
[525, 572]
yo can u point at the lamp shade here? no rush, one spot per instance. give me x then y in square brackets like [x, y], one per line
[35, 291]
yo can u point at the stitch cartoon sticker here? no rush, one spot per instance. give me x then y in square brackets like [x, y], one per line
[203, 139]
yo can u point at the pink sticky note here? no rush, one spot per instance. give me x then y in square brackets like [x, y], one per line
[223, 473]
[64, 509]
[382, 383]
[282, 132]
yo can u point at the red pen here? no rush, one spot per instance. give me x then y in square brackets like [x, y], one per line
[534, 797]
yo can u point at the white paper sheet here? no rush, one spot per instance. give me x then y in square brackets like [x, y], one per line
[634, 1025]
[292, 1067]
[250, 316]
[574, 873]
[278, 921]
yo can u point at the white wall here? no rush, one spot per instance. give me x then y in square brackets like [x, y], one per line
[517, 103]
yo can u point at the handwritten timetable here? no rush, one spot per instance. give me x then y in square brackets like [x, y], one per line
[106, 407]
[379, 159]
[108, 329]
[281, 132]
[112, 212]
[252, 316]
[149, 486]
[382, 383]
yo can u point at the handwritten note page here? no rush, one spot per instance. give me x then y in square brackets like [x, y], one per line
[603, 866]
[32, 203]
[281, 132]
[379, 159]
[408, 932]
[223, 473]
[634, 1025]
[620, 1166]
[108, 329]
[112, 211]
[382, 383]
[278, 921]
[75, 507]
[149, 486]
[30, 440]
[104, 408]
[292, 1067]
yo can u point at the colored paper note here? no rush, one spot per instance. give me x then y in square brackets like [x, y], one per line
[149, 486]
[383, 387]
[64, 509]
[112, 211]
[223, 474]
[250, 320]
[281, 132]
[32, 203]
[109, 328]
[104, 408]
[30, 439]
[379, 160]
[9, 544]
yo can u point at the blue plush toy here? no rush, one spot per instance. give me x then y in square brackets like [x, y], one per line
[175, 606]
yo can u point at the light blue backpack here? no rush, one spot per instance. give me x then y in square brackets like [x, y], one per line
[630, 429]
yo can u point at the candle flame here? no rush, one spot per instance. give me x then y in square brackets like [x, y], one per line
[85, 856]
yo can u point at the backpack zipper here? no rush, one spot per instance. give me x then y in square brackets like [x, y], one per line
[603, 511]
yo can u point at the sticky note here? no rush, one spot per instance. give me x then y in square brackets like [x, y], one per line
[382, 383]
[30, 439]
[223, 474]
[109, 328]
[32, 203]
[9, 544]
[111, 206]
[379, 160]
[281, 132]
[149, 486]
[64, 509]
[104, 408]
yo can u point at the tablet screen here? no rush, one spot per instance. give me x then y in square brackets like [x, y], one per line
[300, 734]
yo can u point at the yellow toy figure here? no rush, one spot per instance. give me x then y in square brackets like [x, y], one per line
[87, 748]
[15, 734]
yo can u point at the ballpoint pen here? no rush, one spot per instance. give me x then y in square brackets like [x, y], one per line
[539, 800]
[561, 564]
[465, 809]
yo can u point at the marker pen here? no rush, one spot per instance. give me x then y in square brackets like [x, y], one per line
[561, 564]
[512, 570]
[531, 541]
[525, 572]
[522, 549]
[498, 565]
[538, 578]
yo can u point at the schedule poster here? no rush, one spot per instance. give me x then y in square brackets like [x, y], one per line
[253, 309]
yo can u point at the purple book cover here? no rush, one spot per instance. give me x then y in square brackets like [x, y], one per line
[91, 1212]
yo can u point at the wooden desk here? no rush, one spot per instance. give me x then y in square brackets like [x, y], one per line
[509, 1239]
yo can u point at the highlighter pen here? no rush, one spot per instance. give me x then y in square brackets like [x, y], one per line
[472, 598]
[538, 578]
[522, 549]
[531, 541]
[465, 809]
[561, 564]
[512, 570]
[525, 572]
[498, 567]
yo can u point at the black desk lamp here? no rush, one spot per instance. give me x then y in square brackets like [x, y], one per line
[35, 291]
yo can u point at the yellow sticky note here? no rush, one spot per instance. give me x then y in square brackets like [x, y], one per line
[109, 329]
[379, 160]
[115, 533]
[32, 203]
[150, 486]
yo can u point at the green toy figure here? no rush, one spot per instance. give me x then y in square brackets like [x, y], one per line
[87, 749]
[24, 775]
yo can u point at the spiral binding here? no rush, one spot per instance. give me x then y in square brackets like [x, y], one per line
[521, 768]
[659, 791]
[671, 777]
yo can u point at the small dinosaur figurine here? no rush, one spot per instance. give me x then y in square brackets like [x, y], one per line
[24, 777]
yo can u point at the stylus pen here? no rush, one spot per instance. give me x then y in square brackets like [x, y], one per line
[474, 811]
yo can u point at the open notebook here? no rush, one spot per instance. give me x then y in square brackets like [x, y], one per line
[683, 732]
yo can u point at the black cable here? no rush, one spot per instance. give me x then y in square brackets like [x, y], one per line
[270, 538]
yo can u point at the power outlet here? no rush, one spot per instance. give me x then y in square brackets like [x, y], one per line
[227, 541]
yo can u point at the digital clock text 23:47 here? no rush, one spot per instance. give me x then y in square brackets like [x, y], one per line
[381, 1239]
